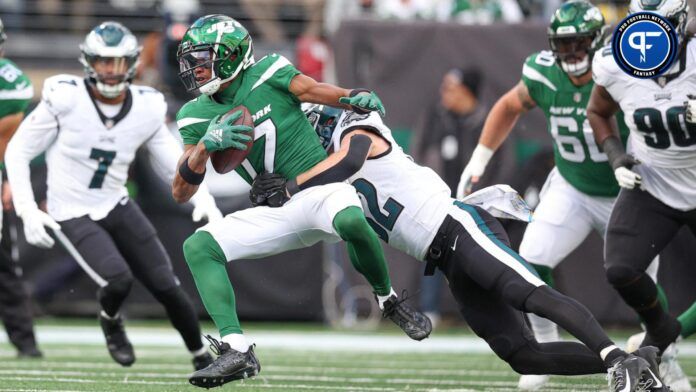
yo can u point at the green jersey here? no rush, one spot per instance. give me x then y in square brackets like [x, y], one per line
[577, 156]
[284, 141]
[15, 89]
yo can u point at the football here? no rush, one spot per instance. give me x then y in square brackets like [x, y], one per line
[227, 160]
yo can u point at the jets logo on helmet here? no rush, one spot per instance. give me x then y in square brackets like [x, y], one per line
[323, 119]
[575, 33]
[110, 57]
[214, 50]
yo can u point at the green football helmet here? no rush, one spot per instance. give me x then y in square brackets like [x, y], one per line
[575, 33]
[214, 50]
[323, 119]
[675, 11]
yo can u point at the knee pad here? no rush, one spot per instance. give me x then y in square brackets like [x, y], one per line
[201, 246]
[620, 275]
[118, 287]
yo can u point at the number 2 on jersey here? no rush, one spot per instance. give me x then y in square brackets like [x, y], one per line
[105, 158]
[381, 222]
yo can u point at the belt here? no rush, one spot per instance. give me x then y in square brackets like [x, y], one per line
[438, 247]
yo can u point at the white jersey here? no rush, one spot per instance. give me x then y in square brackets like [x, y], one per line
[87, 153]
[405, 203]
[654, 111]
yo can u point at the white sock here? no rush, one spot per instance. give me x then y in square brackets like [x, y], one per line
[605, 351]
[199, 352]
[106, 316]
[237, 341]
[383, 298]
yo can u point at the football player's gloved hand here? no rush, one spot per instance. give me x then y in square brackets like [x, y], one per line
[205, 208]
[691, 109]
[626, 177]
[35, 222]
[222, 135]
[269, 189]
[365, 101]
[473, 170]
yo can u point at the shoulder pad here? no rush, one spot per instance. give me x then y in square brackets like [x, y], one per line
[605, 71]
[539, 68]
[59, 92]
[154, 100]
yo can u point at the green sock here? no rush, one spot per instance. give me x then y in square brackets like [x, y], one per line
[207, 263]
[688, 321]
[545, 273]
[364, 250]
[662, 298]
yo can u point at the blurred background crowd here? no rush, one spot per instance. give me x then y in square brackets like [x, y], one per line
[437, 64]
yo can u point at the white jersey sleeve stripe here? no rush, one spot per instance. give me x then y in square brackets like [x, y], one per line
[25, 93]
[505, 255]
[275, 67]
[535, 75]
[190, 120]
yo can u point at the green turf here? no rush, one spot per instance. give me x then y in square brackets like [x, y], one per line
[165, 368]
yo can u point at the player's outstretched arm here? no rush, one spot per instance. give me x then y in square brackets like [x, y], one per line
[600, 110]
[35, 134]
[8, 126]
[307, 89]
[499, 123]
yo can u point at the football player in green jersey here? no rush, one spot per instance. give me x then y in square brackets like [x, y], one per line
[579, 193]
[216, 58]
[16, 92]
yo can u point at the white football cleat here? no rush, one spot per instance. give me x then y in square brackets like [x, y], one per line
[532, 382]
[672, 373]
[633, 343]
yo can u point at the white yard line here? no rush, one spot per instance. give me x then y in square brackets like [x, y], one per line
[303, 341]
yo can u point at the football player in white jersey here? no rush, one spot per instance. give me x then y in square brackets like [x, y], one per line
[410, 208]
[90, 129]
[657, 174]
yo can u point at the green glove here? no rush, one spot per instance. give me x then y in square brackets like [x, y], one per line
[366, 102]
[223, 135]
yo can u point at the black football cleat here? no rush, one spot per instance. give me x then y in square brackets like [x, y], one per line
[202, 361]
[626, 372]
[120, 348]
[651, 380]
[230, 365]
[416, 324]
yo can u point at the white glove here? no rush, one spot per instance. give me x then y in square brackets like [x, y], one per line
[691, 109]
[35, 221]
[474, 169]
[205, 207]
[627, 178]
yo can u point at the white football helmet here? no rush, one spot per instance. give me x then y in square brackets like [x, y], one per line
[110, 57]
[675, 11]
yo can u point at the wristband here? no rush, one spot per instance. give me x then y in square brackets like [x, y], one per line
[189, 175]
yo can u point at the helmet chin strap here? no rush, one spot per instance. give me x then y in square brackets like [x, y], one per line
[211, 86]
[111, 91]
[576, 69]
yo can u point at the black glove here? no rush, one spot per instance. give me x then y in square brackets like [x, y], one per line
[268, 189]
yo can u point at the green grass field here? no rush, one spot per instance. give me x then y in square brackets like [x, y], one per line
[75, 360]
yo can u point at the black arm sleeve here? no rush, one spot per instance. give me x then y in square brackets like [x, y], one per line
[616, 153]
[358, 149]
